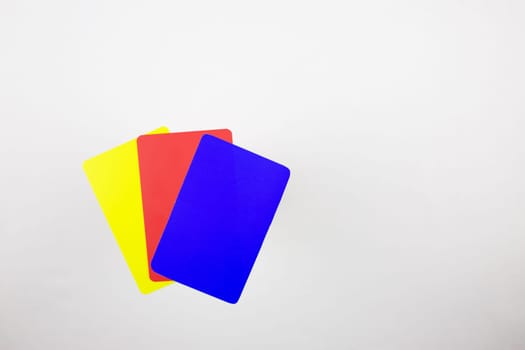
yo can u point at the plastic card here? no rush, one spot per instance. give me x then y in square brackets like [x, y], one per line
[220, 219]
[114, 177]
[164, 160]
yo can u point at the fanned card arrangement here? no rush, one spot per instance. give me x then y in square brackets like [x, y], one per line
[188, 207]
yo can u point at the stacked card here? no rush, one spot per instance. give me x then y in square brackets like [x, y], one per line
[189, 207]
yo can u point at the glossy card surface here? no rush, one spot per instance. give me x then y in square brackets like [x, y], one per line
[114, 177]
[222, 214]
[164, 160]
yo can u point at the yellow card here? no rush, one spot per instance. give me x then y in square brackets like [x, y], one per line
[115, 179]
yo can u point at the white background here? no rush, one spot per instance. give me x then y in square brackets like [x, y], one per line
[402, 122]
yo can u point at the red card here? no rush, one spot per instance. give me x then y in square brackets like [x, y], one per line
[164, 160]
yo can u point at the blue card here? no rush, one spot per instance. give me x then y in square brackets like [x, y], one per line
[219, 221]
